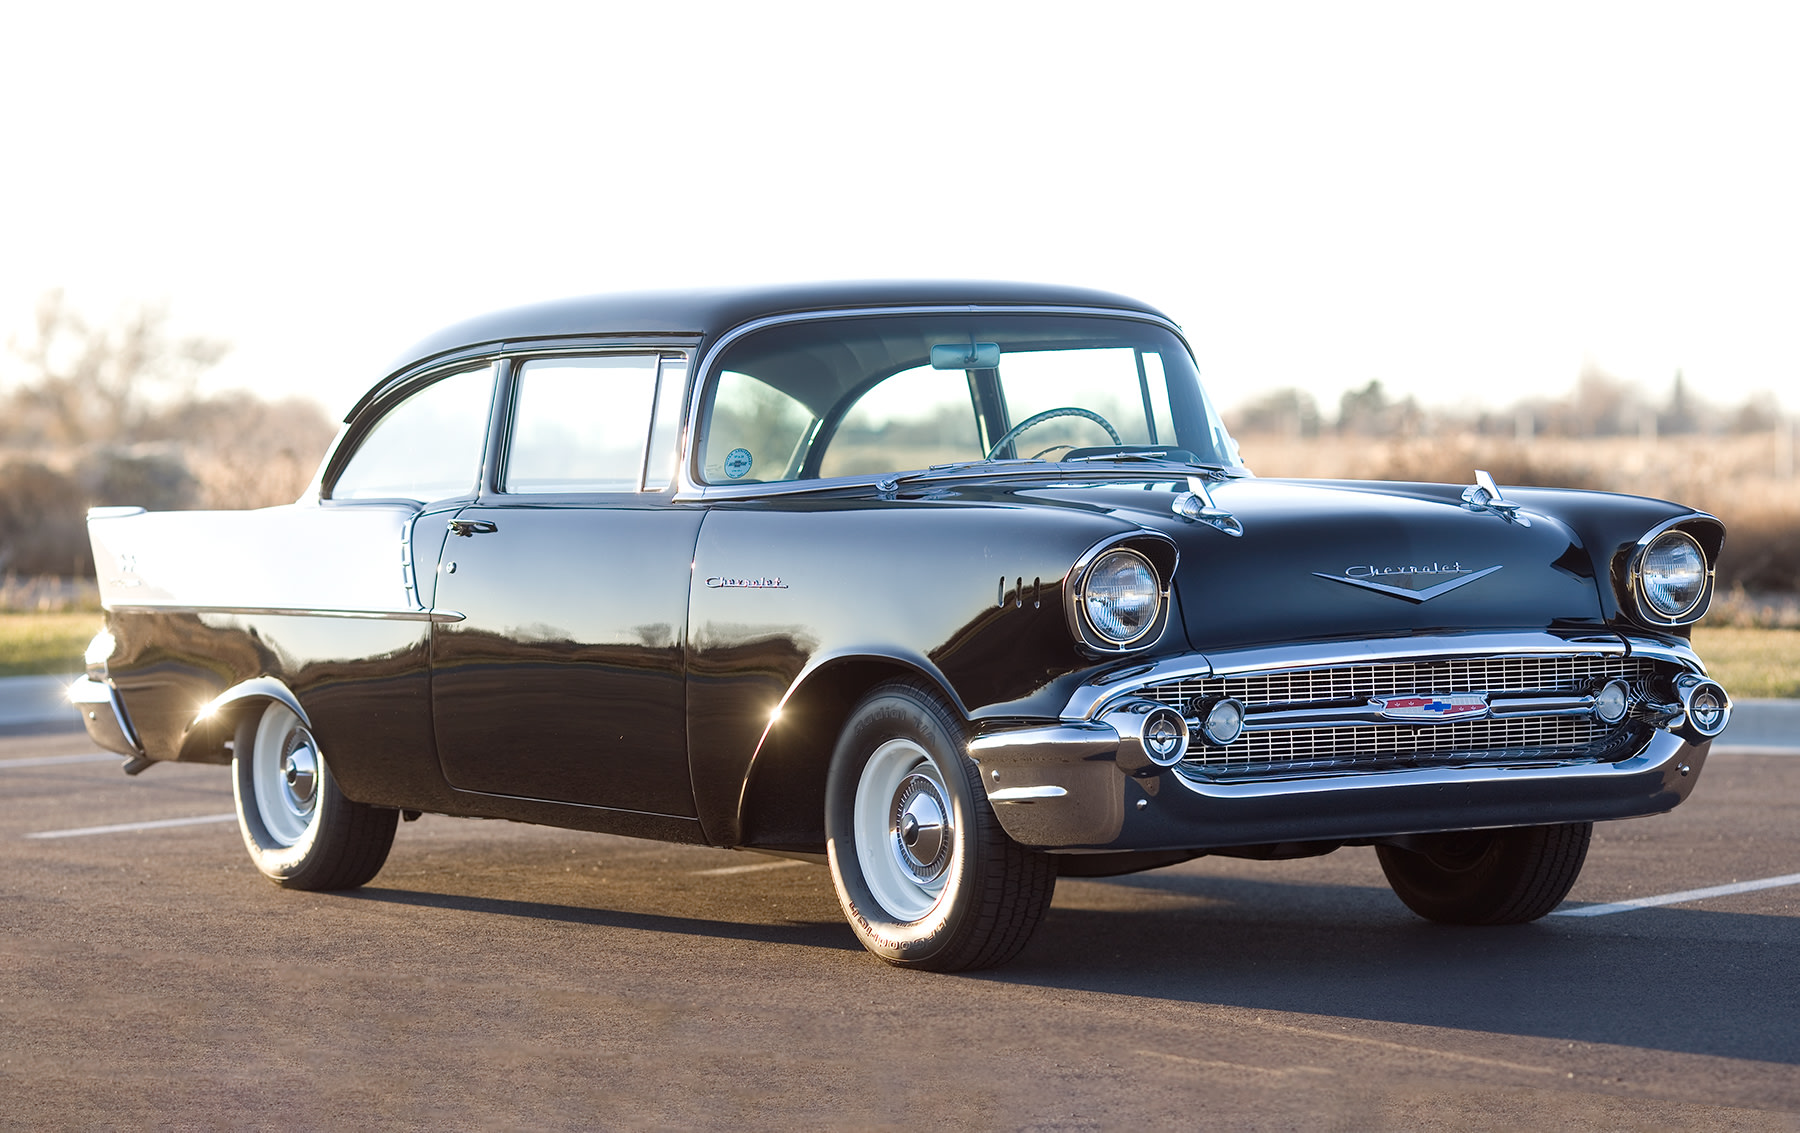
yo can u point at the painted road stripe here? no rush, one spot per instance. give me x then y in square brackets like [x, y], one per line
[53, 760]
[1680, 898]
[756, 868]
[125, 827]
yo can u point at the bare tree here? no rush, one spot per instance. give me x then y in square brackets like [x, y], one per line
[91, 384]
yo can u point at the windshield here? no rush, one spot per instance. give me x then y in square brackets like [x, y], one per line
[879, 395]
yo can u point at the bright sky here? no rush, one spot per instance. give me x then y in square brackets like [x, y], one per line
[1464, 201]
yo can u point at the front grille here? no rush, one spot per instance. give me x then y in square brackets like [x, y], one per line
[1375, 747]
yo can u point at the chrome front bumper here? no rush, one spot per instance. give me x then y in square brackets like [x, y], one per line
[1093, 781]
[1066, 787]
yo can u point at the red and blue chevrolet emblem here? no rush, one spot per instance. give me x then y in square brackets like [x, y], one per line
[1432, 709]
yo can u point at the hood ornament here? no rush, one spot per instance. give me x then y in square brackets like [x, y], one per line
[1197, 504]
[1484, 495]
[1408, 582]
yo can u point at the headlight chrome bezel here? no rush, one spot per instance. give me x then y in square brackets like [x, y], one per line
[1157, 555]
[1690, 531]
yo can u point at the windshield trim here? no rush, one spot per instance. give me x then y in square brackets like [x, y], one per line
[692, 487]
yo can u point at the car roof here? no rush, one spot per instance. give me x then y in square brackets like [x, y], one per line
[709, 312]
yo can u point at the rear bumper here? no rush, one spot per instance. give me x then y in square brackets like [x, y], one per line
[1075, 785]
[104, 715]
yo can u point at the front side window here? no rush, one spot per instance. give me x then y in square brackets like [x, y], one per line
[428, 447]
[864, 396]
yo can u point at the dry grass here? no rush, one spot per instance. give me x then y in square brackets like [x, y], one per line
[45, 643]
[1751, 663]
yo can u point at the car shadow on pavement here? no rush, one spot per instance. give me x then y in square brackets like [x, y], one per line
[1681, 980]
[833, 935]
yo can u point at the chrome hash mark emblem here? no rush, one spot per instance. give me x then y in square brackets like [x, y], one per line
[1413, 583]
[1432, 709]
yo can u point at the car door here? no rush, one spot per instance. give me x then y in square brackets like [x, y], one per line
[564, 680]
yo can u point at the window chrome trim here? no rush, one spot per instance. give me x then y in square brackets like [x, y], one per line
[691, 488]
[505, 408]
[372, 410]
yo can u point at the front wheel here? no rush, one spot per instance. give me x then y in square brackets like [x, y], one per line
[1487, 876]
[925, 874]
[301, 831]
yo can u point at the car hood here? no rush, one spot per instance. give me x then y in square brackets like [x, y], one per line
[1321, 560]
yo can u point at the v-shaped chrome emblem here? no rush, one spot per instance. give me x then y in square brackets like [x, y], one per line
[1425, 595]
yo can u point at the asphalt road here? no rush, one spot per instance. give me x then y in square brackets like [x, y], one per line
[497, 975]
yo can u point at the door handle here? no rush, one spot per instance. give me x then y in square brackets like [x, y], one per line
[468, 528]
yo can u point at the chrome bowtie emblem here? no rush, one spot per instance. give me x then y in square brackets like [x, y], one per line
[1431, 709]
[1415, 583]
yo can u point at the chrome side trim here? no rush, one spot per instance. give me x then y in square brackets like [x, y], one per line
[1026, 794]
[391, 615]
[1092, 698]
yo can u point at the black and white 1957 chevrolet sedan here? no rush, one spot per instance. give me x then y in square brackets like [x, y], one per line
[955, 586]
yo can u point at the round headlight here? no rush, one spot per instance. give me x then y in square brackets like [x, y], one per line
[1120, 597]
[1672, 574]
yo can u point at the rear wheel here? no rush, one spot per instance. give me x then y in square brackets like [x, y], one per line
[925, 874]
[1487, 876]
[301, 831]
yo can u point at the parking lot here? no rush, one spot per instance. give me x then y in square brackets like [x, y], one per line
[497, 975]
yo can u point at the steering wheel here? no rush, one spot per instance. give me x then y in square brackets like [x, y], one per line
[1050, 414]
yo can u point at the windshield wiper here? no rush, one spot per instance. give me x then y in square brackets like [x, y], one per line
[889, 483]
[1157, 458]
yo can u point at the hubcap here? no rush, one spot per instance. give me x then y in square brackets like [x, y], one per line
[921, 829]
[300, 772]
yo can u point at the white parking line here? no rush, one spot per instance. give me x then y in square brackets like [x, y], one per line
[125, 827]
[756, 868]
[1680, 898]
[53, 760]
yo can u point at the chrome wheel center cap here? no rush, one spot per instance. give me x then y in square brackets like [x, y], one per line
[921, 829]
[300, 775]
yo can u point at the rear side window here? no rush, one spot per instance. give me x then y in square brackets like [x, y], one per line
[581, 424]
[428, 447]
